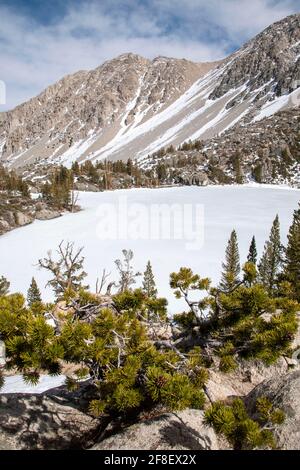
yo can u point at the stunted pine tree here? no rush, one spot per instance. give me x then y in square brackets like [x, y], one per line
[149, 286]
[270, 263]
[292, 255]
[231, 266]
[4, 286]
[67, 270]
[252, 255]
[126, 272]
[33, 293]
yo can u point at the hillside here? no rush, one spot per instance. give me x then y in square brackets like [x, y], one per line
[266, 151]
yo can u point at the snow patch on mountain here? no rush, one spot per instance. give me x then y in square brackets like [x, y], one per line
[272, 107]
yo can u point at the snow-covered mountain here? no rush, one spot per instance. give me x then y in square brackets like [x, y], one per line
[131, 106]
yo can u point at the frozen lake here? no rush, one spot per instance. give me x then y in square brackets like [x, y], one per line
[129, 219]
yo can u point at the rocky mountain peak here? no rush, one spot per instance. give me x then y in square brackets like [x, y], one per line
[271, 60]
[132, 106]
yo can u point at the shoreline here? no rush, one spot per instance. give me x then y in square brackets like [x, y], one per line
[251, 185]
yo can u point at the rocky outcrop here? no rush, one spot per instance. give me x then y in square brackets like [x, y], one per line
[47, 214]
[270, 60]
[184, 430]
[245, 378]
[4, 226]
[54, 420]
[58, 419]
[17, 211]
[86, 186]
[22, 218]
[283, 392]
[267, 151]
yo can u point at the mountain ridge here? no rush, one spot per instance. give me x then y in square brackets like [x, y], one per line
[131, 106]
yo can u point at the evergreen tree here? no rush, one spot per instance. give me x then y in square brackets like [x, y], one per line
[161, 172]
[243, 432]
[76, 168]
[231, 266]
[257, 173]
[271, 260]
[292, 255]
[129, 167]
[58, 190]
[149, 286]
[236, 163]
[252, 255]
[33, 293]
[4, 286]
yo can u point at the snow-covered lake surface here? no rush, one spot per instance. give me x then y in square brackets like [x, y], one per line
[250, 210]
[16, 384]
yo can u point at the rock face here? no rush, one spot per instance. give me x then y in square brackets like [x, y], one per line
[283, 392]
[131, 106]
[46, 214]
[268, 151]
[245, 378]
[94, 105]
[175, 431]
[43, 422]
[271, 61]
[17, 211]
[22, 219]
[87, 187]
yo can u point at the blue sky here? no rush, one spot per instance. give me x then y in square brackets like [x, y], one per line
[41, 41]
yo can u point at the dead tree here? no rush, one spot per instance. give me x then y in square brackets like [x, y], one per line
[67, 270]
[73, 200]
[99, 286]
[126, 272]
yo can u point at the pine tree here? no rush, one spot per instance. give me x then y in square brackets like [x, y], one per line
[58, 191]
[4, 286]
[271, 260]
[33, 293]
[149, 286]
[231, 266]
[252, 255]
[292, 255]
[236, 163]
[76, 168]
[129, 167]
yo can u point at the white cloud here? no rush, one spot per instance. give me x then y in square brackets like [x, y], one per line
[34, 55]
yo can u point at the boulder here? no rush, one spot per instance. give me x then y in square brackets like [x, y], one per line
[160, 331]
[86, 186]
[9, 217]
[22, 219]
[184, 430]
[47, 214]
[283, 392]
[220, 386]
[4, 226]
[44, 421]
[245, 378]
